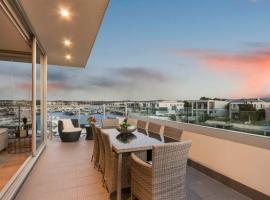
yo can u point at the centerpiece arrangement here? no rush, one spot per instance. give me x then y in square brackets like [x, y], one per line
[126, 130]
[91, 120]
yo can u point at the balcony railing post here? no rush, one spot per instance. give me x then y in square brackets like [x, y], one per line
[104, 111]
[126, 111]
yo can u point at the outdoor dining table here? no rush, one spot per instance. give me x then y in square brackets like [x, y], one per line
[140, 143]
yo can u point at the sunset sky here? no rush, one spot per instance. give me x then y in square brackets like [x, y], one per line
[156, 49]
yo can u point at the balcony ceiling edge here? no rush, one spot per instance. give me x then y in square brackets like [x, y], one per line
[67, 40]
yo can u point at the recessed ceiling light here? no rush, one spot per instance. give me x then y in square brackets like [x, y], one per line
[68, 56]
[67, 43]
[64, 13]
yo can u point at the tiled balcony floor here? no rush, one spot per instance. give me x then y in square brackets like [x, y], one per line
[64, 171]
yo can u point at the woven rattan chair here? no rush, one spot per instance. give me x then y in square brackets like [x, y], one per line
[154, 131]
[110, 175]
[141, 126]
[172, 134]
[69, 130]
[101, 160]
[95, 154]
[165, 178]
[110, 123]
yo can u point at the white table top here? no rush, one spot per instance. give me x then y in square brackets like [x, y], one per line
[141, 143]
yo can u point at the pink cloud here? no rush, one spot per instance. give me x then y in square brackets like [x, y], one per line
[251, 68]
[57, 86]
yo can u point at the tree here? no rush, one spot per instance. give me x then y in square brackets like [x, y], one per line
[205, 98]
[187, 104]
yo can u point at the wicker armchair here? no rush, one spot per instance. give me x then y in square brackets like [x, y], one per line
[110, 175]
[165, 178]
[110, 123]
[101, 160]
[154, 131]
[95, 154]
[69, 130]
[172, 134]
[141, 126]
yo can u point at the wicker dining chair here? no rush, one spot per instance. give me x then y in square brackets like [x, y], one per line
[110, 175]
[101, 160]
[165, 178]
[141, 126]
[172, 134]
[110, 123]
[154, 131]
[95, 154]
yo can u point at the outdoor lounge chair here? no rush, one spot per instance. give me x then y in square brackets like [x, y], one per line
[69, 130]
[165, 178]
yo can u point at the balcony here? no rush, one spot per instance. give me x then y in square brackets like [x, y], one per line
[223, 164]
[64, 171]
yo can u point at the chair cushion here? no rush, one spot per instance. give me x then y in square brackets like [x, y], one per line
[67, 124]
[3, 131]
[70, 130]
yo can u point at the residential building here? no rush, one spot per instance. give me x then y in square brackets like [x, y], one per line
[213, 108]
[257, 104]
[168, 107]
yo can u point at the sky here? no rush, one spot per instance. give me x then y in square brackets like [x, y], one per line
[156, 49]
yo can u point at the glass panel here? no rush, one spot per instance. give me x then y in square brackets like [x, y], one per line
[39, 133]
[245, 116]
[15, 117]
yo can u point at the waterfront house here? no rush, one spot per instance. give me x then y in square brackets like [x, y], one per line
[213, 108]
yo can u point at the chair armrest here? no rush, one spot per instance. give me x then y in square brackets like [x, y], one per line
[141, 177]
[140, 169]
[137, 161]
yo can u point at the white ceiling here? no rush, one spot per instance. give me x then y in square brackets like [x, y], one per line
[51, 29]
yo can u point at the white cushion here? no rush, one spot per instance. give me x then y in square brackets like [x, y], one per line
[3, 131]
[71, 130]
[67, 123]
[3, 138]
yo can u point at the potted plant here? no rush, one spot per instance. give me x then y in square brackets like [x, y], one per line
[126, 130]
[91, 120]
[125, 127]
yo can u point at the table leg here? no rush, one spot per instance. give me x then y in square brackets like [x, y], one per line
[119, 177]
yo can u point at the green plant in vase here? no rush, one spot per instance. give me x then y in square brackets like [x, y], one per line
[125, 124]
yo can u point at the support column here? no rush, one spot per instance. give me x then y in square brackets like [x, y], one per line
[34, 87]
[126, 111]
[104, 111]
[43, 92]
